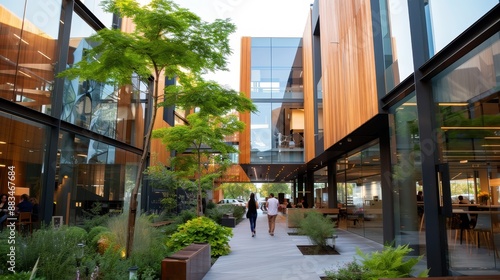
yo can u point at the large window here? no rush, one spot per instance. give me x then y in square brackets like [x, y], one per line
[91, 174]
[360, 194]
[398, 58]
[114, 112]
[276, 68]
[277, 129]
[28, 51]
[449, 18]
[22, 150]
[467, 105]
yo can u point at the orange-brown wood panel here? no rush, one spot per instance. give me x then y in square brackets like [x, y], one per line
[245, 76]
[349, 85]
[307, 63]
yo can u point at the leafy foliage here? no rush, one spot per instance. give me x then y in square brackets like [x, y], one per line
[234, 190]
[219, 211]
[392, 262]
[202, 230]
[55, 249]
[317, 227]
[167, 41]
[274, 188]
[148, 252]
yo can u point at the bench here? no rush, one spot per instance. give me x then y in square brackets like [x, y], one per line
[192, 263]
[294, 215]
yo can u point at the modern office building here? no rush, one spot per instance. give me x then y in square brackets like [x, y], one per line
[379, 100]
[68, 144]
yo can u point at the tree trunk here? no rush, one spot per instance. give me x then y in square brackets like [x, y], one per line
[132, 214]
[199, 207]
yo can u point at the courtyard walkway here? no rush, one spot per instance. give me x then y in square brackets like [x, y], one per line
[277, 257]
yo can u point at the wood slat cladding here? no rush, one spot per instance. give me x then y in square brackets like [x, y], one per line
[245, 77]
[307, 50]
[348, 67]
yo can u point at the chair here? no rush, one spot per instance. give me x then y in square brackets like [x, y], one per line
[484, 229]
[24, 220]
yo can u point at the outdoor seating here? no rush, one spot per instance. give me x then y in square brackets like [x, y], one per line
[192, 262]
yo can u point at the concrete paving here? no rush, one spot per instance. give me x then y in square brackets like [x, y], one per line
[277, 257]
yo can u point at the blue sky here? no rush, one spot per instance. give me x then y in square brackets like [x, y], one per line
[256, 18]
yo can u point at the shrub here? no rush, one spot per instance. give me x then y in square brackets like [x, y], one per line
[211, 204]
[93, 233]
[392, 262]
[238, 212]
[185, 216]
[317, 227]
[218, 212]
[55, 248]
[202, 230]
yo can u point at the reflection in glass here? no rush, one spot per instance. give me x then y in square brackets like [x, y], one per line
[396, 38]
[28, 51]
[467, 106]
[358, 173]
[104, 109]
[449, 18]
[91, 175]
[22, 151]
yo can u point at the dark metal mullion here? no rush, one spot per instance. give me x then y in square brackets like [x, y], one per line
[435, 223]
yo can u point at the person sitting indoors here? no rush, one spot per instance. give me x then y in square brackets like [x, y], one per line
[3, 210]
[36, 209]
[462, 200]
[24, 204]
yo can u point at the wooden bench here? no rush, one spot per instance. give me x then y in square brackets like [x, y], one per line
[295, 214]
[192, 263]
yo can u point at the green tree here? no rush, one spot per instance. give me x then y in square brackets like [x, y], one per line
[202, 140]
[234, 190]
[275, 188]
[168, 40]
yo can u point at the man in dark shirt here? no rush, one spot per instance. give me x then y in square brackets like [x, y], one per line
[25, 205]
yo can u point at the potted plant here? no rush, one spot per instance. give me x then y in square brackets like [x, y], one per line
[483, 197]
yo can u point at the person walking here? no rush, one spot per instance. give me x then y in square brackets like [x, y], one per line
[252, 206]
[272, 211]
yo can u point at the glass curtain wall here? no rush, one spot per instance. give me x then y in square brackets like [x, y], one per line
[117, 113]
[22, 152]
[446, 19]
[467, 101]
[91, 175]
[407, 176]
[277, 129]
[398, 57]
[28, 51]
[358, 173]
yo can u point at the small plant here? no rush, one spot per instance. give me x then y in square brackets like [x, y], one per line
[392, 262]
[202, 230]
[317, 227]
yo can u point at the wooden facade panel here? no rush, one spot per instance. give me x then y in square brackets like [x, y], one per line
[308, 79]
[348, 67]
[245, 79]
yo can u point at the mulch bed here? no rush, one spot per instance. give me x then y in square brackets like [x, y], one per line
[317, 250]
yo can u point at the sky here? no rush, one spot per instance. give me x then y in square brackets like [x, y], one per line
[255, 18]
